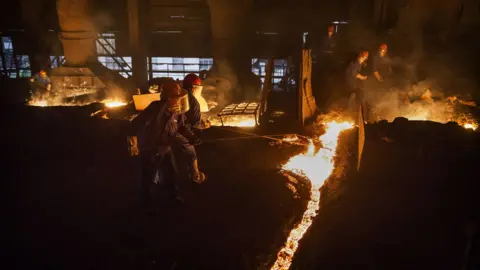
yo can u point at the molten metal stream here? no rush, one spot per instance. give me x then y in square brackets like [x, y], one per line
[317, 167]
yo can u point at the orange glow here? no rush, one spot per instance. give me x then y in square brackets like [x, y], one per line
[316, 167]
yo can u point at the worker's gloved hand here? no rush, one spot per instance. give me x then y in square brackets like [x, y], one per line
[133, 145]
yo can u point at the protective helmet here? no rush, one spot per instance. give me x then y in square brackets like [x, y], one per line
[170, 90]
[363, 54]
[190, 80]
[331, 28]
[177, 99]
[383, 46]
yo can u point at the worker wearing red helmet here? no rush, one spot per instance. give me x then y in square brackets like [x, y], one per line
[193, 84]
[329, 42]
[40, 84]
[165, 129]
[325, 47]
[381, 63]
[354, 76]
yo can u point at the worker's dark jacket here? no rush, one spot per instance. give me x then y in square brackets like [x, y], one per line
[39, 85]
[42, 81]
[381, 65]
[353, 69]
[162, 130]
[194, 116]
[329, 44]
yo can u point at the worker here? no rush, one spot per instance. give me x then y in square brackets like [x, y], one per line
[193, 84]
[40, 83]
[354, 77]
[324, 66]
[165, 130]
[329, 41]
[381, 64]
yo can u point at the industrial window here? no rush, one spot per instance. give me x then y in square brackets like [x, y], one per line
[23, 62]
[56, 61]
[279, 68]
[178, 67]
[107, 55]
[121, 64]
[7, 50]
[106, 44]
[14, 66]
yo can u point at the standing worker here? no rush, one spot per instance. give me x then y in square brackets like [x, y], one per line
[324, 65]
[354, 78]
[193, 84]
[40, 83]
[330, 41]
[165, 129]
[381, 64]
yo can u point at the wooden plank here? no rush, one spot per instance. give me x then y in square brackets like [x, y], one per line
[307, 101]
[361, 136]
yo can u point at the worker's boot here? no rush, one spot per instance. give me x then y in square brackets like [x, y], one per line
[197, 176]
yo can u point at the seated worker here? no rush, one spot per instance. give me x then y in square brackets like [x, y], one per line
[40, 83]
[381, 64]
[165, 129]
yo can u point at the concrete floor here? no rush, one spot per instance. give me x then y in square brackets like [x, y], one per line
[71, 196]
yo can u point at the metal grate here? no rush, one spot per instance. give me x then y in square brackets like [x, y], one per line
[251, 108]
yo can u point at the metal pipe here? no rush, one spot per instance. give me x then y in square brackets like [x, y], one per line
[264, 136]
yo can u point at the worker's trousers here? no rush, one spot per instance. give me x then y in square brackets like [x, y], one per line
[163, 163]
[185, 154]
[357, 99]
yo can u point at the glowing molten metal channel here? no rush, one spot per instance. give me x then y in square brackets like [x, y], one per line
[317, 167]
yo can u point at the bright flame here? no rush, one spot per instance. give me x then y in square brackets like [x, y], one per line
[473, 126]
[38, 103]
[52, 101]
[59, 101]
[317, 167]
[234, 121]
[114, 103]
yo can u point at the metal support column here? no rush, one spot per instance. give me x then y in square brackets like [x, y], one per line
[135, 37]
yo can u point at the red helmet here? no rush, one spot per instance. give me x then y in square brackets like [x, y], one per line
[191, 80]
[170, 89]
[383, 46]
[331, 28]
[364, 54]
